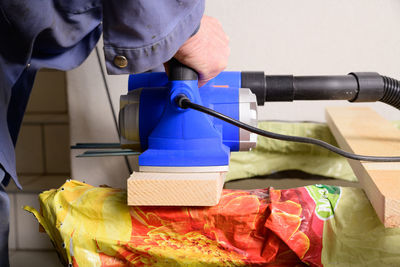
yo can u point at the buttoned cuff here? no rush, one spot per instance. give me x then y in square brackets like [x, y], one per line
[121, 60]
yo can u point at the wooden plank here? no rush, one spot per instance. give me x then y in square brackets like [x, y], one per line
[362, 131]
[175, 189]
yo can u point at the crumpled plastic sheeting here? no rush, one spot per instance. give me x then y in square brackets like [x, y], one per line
[272, 155]
[312, 225]
[92, 226]
[356, 237]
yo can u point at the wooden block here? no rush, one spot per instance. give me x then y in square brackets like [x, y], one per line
[362, 131]
[175, 189]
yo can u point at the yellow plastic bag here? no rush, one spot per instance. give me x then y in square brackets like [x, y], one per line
[92, 226]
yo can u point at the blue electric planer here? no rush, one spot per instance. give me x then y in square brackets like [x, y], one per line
[186, 133]
[176, 139]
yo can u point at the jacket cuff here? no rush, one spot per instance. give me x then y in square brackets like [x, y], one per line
[136, 60]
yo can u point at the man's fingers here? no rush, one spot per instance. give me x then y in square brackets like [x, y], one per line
[207, 51]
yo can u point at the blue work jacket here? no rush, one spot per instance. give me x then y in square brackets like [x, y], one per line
[60, 34]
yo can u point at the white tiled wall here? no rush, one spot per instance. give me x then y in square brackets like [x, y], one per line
[28, 236]
[12, 239]
[34, 259]
[43, 144]
[43, 162]
[29, 151]
[49, 94]
[56, 140]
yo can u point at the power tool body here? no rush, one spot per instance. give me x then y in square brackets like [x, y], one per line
[176, 139]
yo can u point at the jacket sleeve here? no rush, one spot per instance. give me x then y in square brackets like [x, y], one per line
[140, 35]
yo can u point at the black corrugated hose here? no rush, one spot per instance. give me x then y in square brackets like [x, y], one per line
[391, 92]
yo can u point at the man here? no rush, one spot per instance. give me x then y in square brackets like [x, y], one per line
[139, 35]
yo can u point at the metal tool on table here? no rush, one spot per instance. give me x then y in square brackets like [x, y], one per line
[159, 118]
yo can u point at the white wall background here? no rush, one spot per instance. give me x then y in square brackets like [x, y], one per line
[306, 37]
[312, 37]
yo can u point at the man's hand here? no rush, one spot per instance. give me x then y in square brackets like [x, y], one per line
[207, 51]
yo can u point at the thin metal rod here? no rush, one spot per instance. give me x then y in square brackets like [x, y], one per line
[95, 145]
[110, 151]
[106, 153]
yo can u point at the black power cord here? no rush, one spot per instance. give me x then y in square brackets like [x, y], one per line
[183, 102]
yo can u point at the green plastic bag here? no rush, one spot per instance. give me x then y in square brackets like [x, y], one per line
[355, 236]
[272, 155]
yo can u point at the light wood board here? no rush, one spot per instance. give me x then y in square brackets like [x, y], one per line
[175, 189]
[363, 131]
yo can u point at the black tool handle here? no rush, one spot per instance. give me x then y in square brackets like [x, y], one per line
[180, 72]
